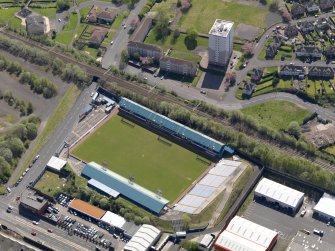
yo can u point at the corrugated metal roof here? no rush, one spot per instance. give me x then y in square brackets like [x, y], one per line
[87, 209]
[279, 192]
[326, 205]
[143, 239]
[242, 234]
[172, 125]
[103, 188]
[133, 191]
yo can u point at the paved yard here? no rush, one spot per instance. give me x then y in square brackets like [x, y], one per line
[286, 225]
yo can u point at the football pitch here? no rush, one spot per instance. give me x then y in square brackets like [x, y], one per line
[131, 150]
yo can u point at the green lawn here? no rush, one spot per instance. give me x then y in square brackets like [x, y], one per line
[277, 114]
[330, 149]
[132, 150]
[7, 16]
[185, 55]
[169, 42]
[65, 36]
[84, 11]
[48, 12]
[50, 183]
[166, 5]
[202, 14]
[117, 22]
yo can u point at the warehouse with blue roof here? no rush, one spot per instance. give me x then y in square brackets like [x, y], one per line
[173, 128]
[129, 190]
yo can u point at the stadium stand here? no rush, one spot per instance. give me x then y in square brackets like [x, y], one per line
[132, 191]
[201, 141]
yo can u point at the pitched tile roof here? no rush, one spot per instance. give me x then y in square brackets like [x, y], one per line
[98, 35]
[145, 46]
[177, 61]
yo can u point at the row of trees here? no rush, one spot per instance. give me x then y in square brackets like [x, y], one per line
[39, 85]
[14, 142]
[265, 153]
[25, 108]
[68, 72]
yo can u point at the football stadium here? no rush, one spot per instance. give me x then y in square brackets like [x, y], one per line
[148, 149]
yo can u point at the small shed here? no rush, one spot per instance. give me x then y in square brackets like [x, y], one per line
[56, 164]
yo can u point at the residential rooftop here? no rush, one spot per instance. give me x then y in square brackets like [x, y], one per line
[221, 28]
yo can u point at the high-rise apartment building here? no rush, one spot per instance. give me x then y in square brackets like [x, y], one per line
[220, 42]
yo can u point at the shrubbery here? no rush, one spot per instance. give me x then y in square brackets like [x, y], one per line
[13, 144]
[69, 72]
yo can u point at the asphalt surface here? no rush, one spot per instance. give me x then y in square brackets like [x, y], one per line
[113, 53]
[59, 240]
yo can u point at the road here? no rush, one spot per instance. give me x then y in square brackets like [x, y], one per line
[59, 240]
[113, 53]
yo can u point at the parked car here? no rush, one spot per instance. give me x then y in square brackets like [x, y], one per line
[303, 212]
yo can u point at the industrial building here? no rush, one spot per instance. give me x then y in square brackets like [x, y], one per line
[162, 123]
[32, 202]
[130, 190]
[144, 239]
[113, 220]
[220, 43]
[56, 164]
[86, 209]
[280, 195]
[242, 234]
[325, 208]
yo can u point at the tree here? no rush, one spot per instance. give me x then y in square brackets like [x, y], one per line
[275, 81]
[190, 245]
[62, 5]
[274, 6]
[231, 77]
[7, 154]
[286, 16]
[4, 170]
[294, 129]
[31, 131]
[248, 49]
[176, 34]
[16, 146]
[185, 5]
[19, 131]
[30, 108]
[104, 203]
[162, 24]
[186, 219]
[191, 38]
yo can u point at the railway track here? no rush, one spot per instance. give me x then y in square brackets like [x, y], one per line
[94, 71]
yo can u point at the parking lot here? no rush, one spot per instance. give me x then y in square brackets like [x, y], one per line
[288, 226]
[84, 227]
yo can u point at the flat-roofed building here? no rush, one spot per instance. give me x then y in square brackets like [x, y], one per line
[144, 239]
[113, 220]
[325, 208]
[220, 43]
[87, 209]
[283, 196]
[56, 164]
[32, 202]
[242, 234]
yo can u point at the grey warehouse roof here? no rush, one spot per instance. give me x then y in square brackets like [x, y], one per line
[326, 205]
[172, 125]
[279, 192]
[143, 239]
[132, 191]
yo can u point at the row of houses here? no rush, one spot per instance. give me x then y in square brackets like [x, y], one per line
[104, 16]
[298, 9]
[136, 48]
[313, 72]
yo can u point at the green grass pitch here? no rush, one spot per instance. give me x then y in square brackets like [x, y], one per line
[130, 149]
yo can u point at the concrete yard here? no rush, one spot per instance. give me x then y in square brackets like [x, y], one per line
[286, 225]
